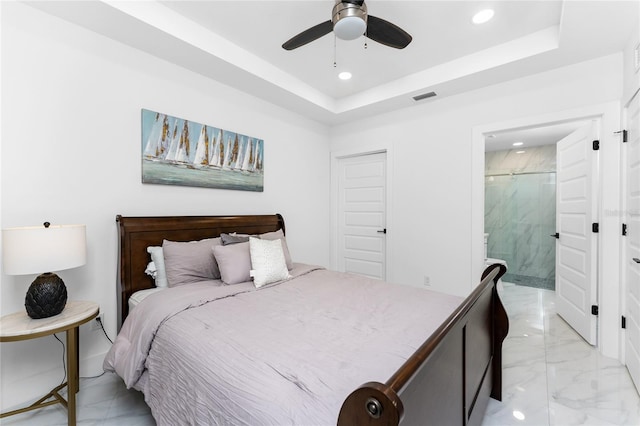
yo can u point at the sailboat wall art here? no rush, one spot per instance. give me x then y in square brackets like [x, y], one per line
[176, 151]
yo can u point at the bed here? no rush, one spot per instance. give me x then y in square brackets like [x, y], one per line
[378, 375]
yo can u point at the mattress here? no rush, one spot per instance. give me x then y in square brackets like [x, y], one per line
[139, 296]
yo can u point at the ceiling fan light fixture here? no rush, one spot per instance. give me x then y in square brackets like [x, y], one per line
[349, 20]
[349, 28]
[344, 75]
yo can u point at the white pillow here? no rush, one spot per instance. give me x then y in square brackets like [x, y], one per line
[157, 257]
[279, 235]
[267, 262]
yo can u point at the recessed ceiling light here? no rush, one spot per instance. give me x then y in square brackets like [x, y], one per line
[344, 75]
[520, 152]
[482, 16]
[518, 143]
[518, 415]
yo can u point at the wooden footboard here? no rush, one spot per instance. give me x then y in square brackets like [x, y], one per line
[449, 379]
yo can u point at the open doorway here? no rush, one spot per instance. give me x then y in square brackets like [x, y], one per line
[520, 201]
[607, 296]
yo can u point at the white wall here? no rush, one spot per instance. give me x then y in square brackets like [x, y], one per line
[71, 105]
[437, 170]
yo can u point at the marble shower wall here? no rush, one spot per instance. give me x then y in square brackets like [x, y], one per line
[520, 213]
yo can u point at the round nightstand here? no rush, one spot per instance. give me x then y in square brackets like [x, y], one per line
[19, 326]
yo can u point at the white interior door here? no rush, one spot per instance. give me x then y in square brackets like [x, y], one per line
[362, 215]
[576, 254]
[632, 241]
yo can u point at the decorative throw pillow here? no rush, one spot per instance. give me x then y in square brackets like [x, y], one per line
[267, 261]
[279, 235]
[189, 262]
[234, 262]
[228, 239]
[157, 257]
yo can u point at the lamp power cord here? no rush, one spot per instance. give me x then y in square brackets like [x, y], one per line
[103, 330]
[64, 352]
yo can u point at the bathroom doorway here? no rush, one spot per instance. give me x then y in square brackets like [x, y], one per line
[520, 202]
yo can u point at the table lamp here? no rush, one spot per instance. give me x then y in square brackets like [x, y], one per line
[35, 249]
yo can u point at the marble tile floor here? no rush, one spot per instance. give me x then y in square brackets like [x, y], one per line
[102, 401]
[551, 377]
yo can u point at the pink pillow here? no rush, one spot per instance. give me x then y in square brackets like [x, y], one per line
[189, 262]
[234, 262]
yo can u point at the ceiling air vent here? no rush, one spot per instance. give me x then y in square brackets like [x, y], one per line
[424, 96]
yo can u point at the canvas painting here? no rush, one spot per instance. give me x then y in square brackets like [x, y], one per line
[176, 151]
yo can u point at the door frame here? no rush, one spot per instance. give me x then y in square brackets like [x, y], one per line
[624, 253]
[608, 186]
[333, 220]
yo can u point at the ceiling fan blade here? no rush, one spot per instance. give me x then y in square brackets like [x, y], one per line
[309, 35]
[386, 33]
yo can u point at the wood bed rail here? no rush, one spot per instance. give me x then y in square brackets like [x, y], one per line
[448, 359]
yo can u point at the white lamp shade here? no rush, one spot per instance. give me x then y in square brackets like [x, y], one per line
[36, 249]
[349, 28]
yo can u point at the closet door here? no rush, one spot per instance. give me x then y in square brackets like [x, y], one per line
[362, 215]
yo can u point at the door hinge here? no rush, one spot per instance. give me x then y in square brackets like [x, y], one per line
[624, 322]
[595, 227]
[624, 229]
[596, 145]
[624, 134]
[594, 310]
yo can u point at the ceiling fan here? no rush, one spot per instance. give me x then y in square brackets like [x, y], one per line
[349, 20]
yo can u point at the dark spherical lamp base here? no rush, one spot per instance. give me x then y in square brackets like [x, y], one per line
[46, 297]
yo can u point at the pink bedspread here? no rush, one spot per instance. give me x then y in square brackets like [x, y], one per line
[288, 353]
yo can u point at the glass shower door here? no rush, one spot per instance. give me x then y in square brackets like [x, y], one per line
[520, 217]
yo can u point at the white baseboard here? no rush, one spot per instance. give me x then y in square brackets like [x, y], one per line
[92, 366]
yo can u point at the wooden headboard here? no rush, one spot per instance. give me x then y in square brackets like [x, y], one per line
[137, 233]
